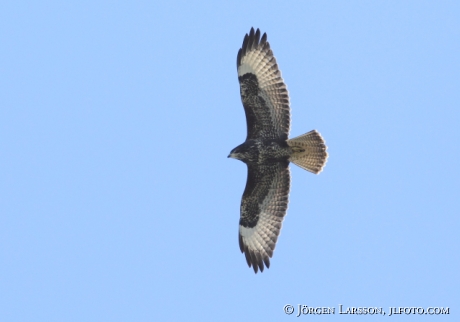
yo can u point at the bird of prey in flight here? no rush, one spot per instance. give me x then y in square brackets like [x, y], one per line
[267, 150]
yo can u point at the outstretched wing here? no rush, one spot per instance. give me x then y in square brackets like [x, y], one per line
[263, 92]
[263, 207]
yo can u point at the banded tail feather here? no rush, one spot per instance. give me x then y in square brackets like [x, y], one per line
[309, 151]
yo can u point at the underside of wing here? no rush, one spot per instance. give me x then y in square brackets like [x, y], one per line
[263, 207]
[263, 92]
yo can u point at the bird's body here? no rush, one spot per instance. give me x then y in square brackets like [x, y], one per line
[267, 150]
[262, 151]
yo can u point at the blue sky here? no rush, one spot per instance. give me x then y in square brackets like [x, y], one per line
[118, 202]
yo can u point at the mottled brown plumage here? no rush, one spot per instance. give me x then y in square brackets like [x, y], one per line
[267, 150]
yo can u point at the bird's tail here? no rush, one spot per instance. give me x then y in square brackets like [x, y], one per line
[309, 151]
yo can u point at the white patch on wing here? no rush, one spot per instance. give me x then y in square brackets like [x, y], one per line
[245, 68]
[262, 238]
[255, 62]
[250, 237]
[247, 232]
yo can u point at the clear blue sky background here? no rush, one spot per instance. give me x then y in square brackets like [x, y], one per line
[118, 202]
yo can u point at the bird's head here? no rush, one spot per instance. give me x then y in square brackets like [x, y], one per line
[246, 152]
[236, 153]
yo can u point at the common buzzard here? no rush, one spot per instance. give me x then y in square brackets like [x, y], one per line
[267, 150]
